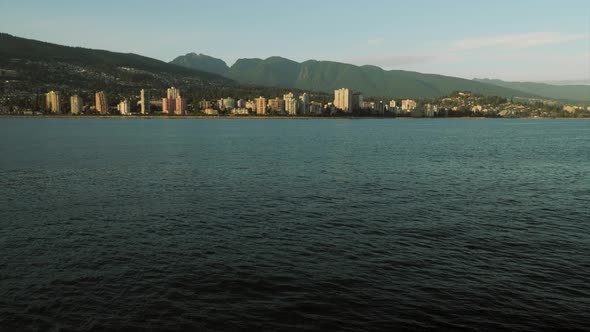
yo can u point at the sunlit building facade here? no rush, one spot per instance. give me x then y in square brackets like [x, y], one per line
[343, 100]
[124, 107]
[290, 103]
[52, 103]
[180, 106]
[102, 104]
[260, 105]
[145, 101]
[408, 105]
[76, 104]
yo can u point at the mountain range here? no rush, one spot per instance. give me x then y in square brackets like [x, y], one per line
[327, 76]
[578, 92]
[37, 66]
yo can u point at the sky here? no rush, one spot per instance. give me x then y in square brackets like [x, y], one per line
[515, 40]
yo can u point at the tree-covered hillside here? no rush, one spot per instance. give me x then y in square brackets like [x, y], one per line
[579, 93]
[327, 76]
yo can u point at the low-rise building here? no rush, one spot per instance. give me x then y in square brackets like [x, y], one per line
[204, 104]
[316, 107]
[430, 110]
[227, 104]
[250, 105]
[379, 107]
[408, 105]
[240, 111]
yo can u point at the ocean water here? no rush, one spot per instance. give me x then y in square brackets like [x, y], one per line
[341, 225]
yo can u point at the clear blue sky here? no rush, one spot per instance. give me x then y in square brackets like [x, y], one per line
[507, 39]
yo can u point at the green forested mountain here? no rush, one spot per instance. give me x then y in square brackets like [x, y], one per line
[202, 62]
[579, 93]
[14, 48]
[40, 65]
[372, 81]
[30, 68]
[274, 71]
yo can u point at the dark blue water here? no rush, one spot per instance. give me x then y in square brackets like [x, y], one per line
[111, 224]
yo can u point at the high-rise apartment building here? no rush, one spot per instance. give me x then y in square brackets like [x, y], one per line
[173, 93]
[304, 103]
[174, 103]
[145, 101]
[76, 104]
[343, 100]
[102, 105]
[168, 105]
[276, 105]
[52, 102]
[290, 103]
[357, 101]
[260, 105]
[124, 107]
[180, 106]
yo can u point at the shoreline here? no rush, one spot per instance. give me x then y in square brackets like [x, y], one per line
[184, 117]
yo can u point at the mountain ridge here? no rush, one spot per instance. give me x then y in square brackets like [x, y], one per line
[39, 63]
[579, 93]
[202, 62]
[325, 76]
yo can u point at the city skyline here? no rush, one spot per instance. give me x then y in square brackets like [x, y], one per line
[346, 102]
[524, 41]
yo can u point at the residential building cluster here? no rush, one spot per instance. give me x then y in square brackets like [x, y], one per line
[458, 104]
[174, 103]
[345, 100]
[101, 103]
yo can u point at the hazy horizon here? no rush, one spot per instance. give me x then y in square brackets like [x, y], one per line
[539, 41]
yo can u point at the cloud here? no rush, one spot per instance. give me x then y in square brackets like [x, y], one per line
[523, 40]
